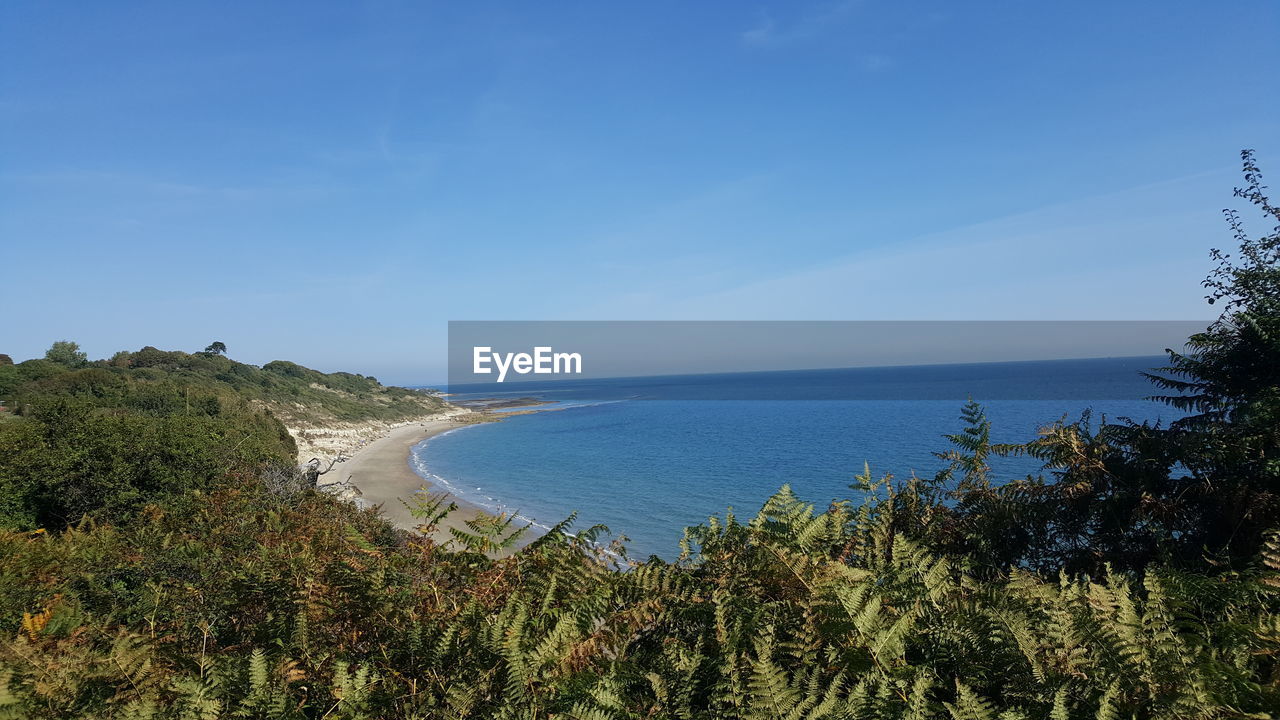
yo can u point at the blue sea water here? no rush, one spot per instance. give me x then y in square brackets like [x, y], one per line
[649, 456]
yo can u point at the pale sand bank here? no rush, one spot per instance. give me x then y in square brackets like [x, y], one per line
[380, 470]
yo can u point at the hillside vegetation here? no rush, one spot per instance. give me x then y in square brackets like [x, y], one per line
[163, 566]
[290, 391]
[326, 413]
[104, 438]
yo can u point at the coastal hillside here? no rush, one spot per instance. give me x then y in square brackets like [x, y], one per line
[326, 413]
[105, 438]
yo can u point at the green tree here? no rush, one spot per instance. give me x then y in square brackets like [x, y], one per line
[1202, 491]
[66, 353]
[1232, 373]
[1229, 383]
[216, 348]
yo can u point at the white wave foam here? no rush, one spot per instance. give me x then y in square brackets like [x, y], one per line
[419, 465]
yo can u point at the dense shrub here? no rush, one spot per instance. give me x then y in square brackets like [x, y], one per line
[240, 604]
[14, 376]
[68, 458]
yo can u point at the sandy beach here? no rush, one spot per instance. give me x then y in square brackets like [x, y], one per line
[380, 471]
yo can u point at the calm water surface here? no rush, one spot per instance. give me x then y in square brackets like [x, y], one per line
[648, 457]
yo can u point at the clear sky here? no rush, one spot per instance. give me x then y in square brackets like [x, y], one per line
[331, 182]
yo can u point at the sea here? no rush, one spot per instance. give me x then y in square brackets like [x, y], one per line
[647, 457]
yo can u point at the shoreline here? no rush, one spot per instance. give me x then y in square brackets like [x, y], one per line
[382, 475]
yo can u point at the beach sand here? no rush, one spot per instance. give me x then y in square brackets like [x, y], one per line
[380, 471]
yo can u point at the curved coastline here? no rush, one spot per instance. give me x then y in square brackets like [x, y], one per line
[389, 471]
[384, 474]
[494, 506]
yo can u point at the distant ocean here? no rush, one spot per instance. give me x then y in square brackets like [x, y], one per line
[649, 456]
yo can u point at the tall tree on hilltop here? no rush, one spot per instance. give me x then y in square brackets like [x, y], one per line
[65, 352]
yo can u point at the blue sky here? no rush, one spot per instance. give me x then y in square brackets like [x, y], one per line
[332, 182]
